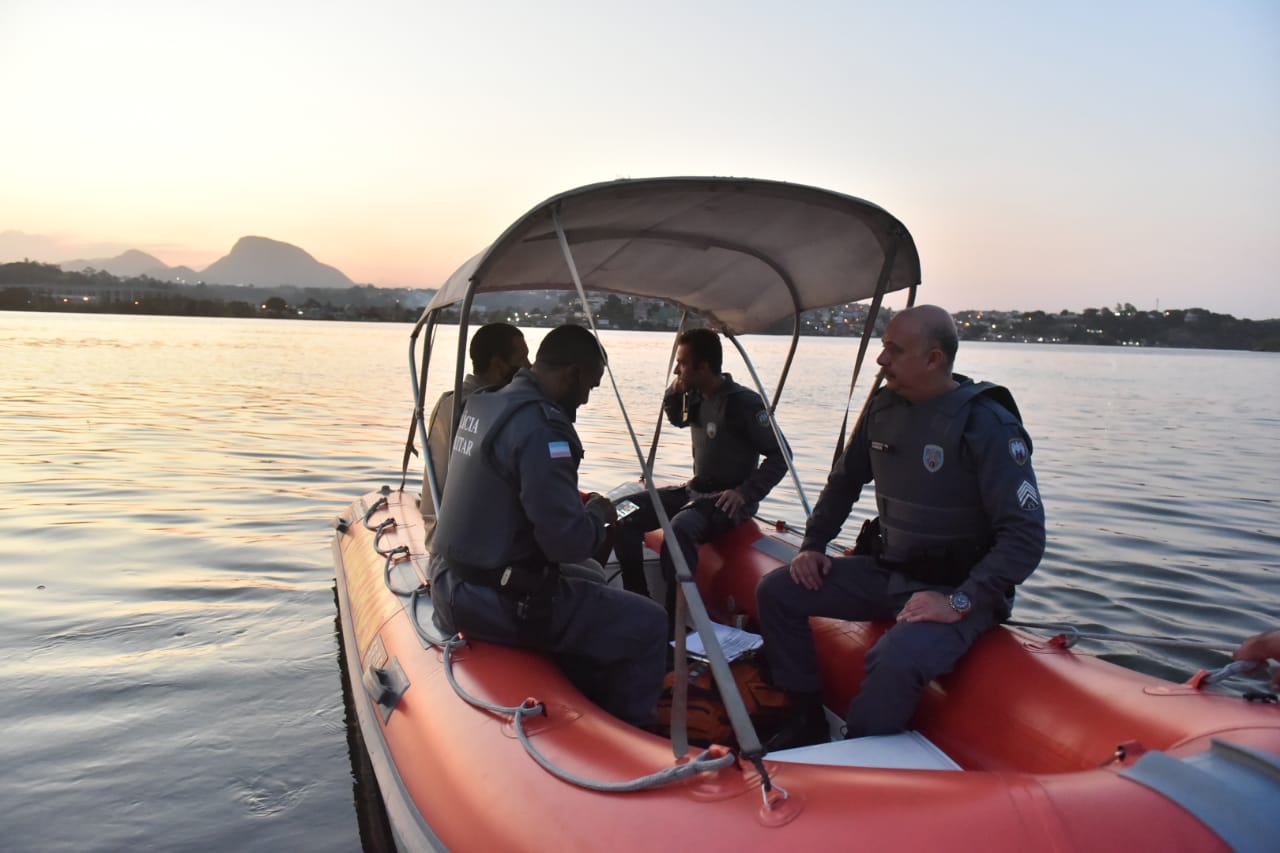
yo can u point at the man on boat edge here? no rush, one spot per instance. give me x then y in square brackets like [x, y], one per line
[960, 525]
[730, 431]
[511, 513]
[497, 351]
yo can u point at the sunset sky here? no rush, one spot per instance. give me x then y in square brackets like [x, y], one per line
[1045, 155]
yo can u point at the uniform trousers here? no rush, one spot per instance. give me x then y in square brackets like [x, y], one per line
[898, 667]
[610, 643]
[694, 520]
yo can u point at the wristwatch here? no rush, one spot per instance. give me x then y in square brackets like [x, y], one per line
[960, 602]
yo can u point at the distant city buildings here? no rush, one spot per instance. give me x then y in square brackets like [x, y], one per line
[29, 286]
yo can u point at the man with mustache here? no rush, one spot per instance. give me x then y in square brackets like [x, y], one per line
[960, 525]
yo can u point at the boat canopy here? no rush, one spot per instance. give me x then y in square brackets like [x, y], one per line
[743, 253]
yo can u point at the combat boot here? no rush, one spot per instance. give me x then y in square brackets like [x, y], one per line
[806, 723]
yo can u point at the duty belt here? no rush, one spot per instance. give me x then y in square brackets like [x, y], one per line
[515, 581]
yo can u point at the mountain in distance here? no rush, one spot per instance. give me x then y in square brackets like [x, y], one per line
[127, 265]
[257, 260]
[252, 260]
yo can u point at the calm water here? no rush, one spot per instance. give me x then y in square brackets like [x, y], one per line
[170, 672]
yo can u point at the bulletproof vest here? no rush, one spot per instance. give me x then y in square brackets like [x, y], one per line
[930, 506]
[481, 522]
[723, 455]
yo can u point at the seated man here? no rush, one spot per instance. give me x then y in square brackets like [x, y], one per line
[961, 524]
[731, 431]
[511, 514]
[497, 351]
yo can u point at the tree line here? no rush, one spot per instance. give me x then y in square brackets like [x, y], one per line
[33, 286]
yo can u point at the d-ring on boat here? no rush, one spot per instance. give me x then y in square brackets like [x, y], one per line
[1028, 745]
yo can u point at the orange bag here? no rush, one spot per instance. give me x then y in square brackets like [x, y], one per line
[708, 720]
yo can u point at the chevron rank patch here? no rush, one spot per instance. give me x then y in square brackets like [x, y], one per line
[1028, 497]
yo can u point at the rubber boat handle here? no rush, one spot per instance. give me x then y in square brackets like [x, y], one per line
[379, 685]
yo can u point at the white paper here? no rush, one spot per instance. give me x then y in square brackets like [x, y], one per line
[735, 642]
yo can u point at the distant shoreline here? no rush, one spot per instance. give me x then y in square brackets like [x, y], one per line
[30, 286]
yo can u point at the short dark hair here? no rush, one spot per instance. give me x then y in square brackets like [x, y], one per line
[571, 345]
[492, 340]
[705, 344]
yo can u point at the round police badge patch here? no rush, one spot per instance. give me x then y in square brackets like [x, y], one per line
[711, 430]
[1018, 450]
[932, 458]
[762, 417]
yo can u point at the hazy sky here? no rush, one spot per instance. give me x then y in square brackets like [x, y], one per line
[1044, 155]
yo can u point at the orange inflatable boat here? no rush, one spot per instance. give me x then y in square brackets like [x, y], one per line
[1026, 746]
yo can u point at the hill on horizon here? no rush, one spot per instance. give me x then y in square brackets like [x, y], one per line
[252, 260]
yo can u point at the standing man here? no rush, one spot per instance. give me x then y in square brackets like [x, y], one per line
[731, 432]
[960, 525]
[497, 351]
[511, 514]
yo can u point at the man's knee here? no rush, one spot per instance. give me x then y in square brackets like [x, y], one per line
[689, 524]
[774, 588]
[913, 657]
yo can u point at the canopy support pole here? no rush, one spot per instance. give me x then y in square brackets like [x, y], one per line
[773, 422]
[882, 284]
[748, 740]
[657, 430]
[786, 365]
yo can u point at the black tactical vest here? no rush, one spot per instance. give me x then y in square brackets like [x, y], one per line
[481, 522]
[723, 455]
[932, 523]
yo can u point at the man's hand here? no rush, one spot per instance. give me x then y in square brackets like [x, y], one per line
[929, 606]
[730, 502]
[602, 508]
[677, 385]
[1260, 647]
[809, 568]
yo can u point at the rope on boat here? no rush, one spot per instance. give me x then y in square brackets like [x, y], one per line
[707, 760]
[1072, 635]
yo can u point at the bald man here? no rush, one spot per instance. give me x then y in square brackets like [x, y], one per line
[960, 525]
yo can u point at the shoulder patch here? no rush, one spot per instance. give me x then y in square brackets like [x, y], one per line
[1018, 451]
[559, 449]
[762, 417]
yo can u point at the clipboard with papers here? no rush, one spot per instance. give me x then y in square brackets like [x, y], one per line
[735, 642]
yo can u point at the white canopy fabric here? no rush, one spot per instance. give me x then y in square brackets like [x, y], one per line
[743, 253]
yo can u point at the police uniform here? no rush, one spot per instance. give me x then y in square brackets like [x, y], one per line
[437, 451]
[510, 514]
[959, 511]
[730, 432]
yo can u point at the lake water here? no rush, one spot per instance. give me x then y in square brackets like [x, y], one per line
[170, 670]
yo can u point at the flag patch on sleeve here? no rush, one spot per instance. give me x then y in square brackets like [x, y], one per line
[559, 449]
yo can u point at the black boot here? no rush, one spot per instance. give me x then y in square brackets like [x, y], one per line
[806, 724]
